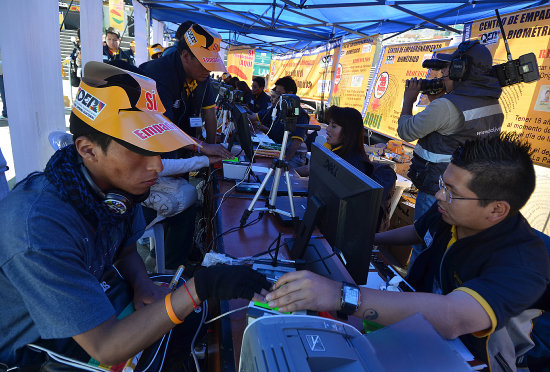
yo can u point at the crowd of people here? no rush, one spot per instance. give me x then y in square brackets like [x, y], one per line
[479, 269]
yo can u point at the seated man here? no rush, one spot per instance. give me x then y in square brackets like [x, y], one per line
[484, 265]
[272, 125]
[69, 224]
[259, 100]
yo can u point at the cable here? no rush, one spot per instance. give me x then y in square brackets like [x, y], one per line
[225, 314]
[203, 318]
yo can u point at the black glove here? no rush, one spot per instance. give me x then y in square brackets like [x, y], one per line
[225, 282]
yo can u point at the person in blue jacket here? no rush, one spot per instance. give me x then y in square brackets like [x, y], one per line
[484, 269]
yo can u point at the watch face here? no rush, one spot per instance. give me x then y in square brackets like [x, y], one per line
[351, 295]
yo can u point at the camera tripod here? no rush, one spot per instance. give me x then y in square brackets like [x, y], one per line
[279, 165]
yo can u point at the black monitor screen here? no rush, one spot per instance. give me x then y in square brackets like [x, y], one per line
[343, 203]
[242, 130]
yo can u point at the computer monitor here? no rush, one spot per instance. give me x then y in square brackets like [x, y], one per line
[242, 130]
[344, 204]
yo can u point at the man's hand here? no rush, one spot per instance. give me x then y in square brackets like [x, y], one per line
[304, 290]
[215, 150]
[412, 88]
[148, 292]
[214, 159]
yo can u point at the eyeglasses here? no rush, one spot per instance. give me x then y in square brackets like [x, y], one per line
[448, 196]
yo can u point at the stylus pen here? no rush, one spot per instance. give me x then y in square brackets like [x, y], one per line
[176, 277]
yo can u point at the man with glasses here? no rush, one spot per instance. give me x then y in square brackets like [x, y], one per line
[484, 269]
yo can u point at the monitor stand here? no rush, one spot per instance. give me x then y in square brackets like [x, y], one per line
[313, 260]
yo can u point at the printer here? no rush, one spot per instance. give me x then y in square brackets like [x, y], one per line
[285, 343]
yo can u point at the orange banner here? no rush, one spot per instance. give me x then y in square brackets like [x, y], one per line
[526, 106]
[312, 70]
[352, 73]
[240, 63]
[396, 64]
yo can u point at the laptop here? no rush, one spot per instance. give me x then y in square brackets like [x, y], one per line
[283, 203]
[299, 185]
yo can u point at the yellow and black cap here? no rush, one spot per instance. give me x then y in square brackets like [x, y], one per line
[204, 43]
[125, 106]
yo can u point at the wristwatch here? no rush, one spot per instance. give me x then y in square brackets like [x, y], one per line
[351, 298]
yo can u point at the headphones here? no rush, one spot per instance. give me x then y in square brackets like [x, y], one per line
[117, 201]
[460, 66]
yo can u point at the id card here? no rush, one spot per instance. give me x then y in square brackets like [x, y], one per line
[195, 121]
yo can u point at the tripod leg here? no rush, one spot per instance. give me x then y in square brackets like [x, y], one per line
[290, 197]
[248, 211]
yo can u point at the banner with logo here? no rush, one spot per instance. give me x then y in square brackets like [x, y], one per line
[312, 70]
[526, 106]
[396, 64]
[240, 63]
[261, 63]
[116, 14]
[352, 74]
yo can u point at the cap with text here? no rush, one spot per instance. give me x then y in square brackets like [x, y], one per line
[204, 43]
[127, 107]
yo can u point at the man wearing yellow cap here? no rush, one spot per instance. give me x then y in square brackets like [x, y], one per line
[71, 223]
[155, 51]
[183, 81]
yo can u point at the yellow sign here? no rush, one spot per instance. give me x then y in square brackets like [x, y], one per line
[311, 69]
[526, 106]
[396, 64]
[352, 74]
[116, 14]
[240, 63]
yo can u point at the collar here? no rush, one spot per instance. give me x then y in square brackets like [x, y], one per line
[454, 237]
[333, 149]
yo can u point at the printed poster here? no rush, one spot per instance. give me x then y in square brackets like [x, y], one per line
[116, 15]
[396, 64]
[526, 106]
[240, 63]
[352, 73]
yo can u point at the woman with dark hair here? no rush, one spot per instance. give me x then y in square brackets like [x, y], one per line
[247, 92]
[345, 137]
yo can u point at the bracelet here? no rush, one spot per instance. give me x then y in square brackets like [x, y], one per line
[171, 314]
[195, 306]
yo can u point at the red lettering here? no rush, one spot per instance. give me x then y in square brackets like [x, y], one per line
[140, 134]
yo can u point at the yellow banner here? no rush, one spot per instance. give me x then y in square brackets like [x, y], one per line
[312, 70]
[352, 73]
[240, 63]
[396, 64]
[526, 106]
[116, 14]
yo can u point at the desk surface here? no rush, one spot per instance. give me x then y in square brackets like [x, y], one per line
[249, 241]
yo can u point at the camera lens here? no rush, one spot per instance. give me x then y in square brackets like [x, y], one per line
[431, 86]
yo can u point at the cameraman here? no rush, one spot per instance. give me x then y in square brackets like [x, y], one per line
[469, 110]
[274, 127]
[76, 61]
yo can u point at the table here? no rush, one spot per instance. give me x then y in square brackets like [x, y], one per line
[247, 241]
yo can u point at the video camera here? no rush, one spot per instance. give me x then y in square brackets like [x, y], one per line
[522, 70]
[289, 110]
[226, 94]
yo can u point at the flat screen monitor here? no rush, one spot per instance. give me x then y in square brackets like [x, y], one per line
[242, 131]
[344, 204]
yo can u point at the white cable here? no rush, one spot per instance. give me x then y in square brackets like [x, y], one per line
[203, 318]
[225, 314]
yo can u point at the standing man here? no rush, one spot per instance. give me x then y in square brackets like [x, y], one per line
[70, 224]
[269, 121]
[469, 110]
[183, 81]
[483, 272]
[112, 51]
[259, 100]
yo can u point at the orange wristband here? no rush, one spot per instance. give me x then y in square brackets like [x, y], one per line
[171, 314]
